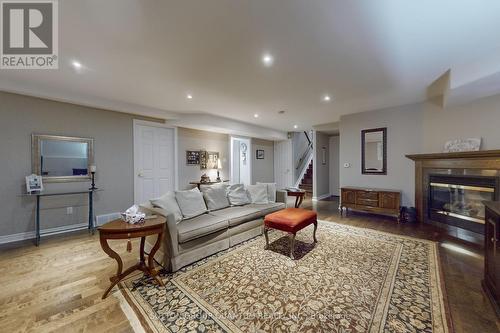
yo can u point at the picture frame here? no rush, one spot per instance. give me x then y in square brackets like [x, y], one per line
[34, 183]
[259, 154]
[192, 157]
[212, 157]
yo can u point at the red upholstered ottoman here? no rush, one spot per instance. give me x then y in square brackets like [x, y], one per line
[290, 220]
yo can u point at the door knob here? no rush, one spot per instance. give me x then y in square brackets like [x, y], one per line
[140, 174]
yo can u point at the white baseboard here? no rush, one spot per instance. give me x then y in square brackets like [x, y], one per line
[105, 218]
[45, 232]
[100, 220]
[321, 197]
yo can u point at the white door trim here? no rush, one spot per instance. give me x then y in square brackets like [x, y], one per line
[138, 122]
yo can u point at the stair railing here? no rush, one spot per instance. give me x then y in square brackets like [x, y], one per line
[304, 160]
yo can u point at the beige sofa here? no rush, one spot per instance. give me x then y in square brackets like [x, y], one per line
[196, 238]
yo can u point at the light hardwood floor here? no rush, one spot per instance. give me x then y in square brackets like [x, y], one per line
[57, 287]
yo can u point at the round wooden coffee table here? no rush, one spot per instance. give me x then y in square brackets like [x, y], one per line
[299, 196]
[119, 229]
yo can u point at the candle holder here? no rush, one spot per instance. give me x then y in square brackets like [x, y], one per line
[92, 173]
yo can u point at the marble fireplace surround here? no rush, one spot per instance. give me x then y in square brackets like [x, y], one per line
[477, 163]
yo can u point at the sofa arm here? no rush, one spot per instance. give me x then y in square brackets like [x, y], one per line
[281, 196]
[170, 246]
[172, 234]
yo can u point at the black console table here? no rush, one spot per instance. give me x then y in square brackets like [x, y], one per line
[38, 195]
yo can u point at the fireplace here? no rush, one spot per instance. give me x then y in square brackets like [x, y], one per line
[450, 188]
[457, 200]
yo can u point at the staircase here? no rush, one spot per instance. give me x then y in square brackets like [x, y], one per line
[306, 183]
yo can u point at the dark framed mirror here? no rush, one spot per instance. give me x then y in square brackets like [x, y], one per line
[374, 151]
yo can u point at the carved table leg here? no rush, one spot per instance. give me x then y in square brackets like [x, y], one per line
[151, 256]
[314, 232]
[114, 279]
[266, 230]
[292, 245]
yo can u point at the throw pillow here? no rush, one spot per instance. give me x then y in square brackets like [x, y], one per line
[191, 203]
[271, 191]
[215, 196]
[258, 193]
[168, 203]
[237, 195]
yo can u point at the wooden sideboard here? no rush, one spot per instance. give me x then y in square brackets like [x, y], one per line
[491, 282]
[372, 200]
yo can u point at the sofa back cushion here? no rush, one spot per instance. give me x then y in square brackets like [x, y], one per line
[258, 193]
[215, 196]
[190, 202]
[271, 191]
[237, 195]
[168, 204]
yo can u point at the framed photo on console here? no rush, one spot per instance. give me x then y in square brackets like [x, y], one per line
[34, 183]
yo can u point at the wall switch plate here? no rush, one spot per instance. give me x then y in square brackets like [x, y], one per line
[69, 210]
[347, 165]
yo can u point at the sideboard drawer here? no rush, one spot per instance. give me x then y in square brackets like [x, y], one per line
[367, 195]
[367, 202]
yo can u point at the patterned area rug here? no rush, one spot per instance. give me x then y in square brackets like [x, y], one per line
[352, 280]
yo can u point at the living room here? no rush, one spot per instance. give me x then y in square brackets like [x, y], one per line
[259, 166]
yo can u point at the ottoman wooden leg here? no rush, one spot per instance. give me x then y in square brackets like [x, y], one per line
[267, 237]
[292, 245]
[314, 232]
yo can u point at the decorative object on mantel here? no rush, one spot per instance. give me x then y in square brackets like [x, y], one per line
[192, 157]
[93, 169]
[259, 154]
[462, 145]
[219, 167]
[34, 183]
[205, 179]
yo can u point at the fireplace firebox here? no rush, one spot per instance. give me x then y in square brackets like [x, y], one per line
[457, 200]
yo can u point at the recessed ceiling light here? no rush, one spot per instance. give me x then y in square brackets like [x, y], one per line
[295, 126]
[327, 98]
[76, 64]
[189, 96]
[256, 115]
[267, 59]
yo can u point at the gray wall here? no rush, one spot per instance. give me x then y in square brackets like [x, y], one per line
[263, 170]
[334, 142]
[321, 173]
[416, 128]
[190, 139]
[20, 117]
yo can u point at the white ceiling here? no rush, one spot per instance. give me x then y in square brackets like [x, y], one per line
[145, 56]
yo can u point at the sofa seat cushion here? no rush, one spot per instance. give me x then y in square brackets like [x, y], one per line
[200, 226]
[238, 214]
[268, 208]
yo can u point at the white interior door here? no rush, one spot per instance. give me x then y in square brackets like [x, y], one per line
[283, 164]
[154, 161]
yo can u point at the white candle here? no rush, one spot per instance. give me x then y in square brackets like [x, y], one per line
[93, 168]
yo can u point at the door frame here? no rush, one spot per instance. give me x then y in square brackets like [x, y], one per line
[249, 156]
[136, 124]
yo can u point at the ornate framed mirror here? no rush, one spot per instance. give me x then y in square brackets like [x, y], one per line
[374, 151]
[62, 158]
